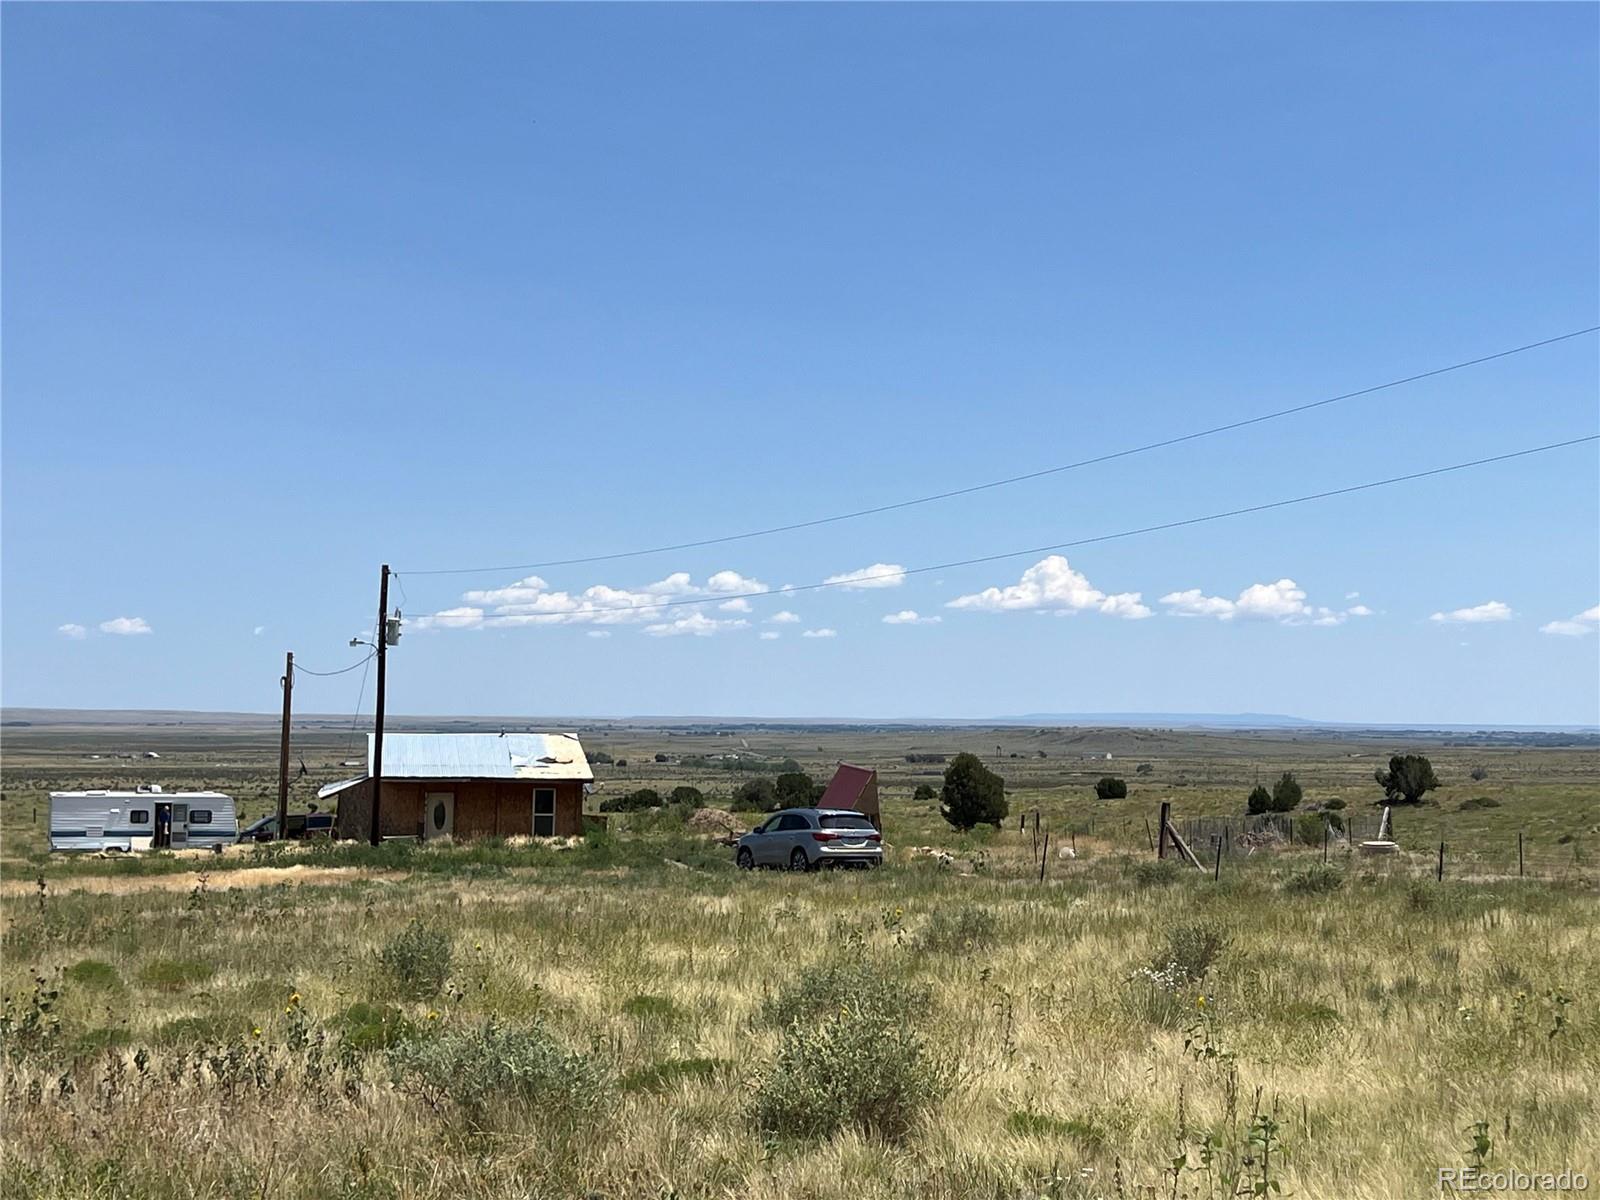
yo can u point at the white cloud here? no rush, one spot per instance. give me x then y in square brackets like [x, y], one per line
[126, 626]
[878, 575]
[909, 616]
[532, 601]
[1352, 595]
[1584, 623]
[465, 617]
[1490, 610]
[783, 618]
[258, 631]
[768, 635]
[820, 633]
[696, 624]
[724, 582]
[1283, 602]
[76, 632]
[597, 633]
[1052, 585]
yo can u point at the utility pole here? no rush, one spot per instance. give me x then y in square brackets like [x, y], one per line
[283, 748]
[377, 737]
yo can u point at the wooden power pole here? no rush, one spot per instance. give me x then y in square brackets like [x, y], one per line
[377, 733]
[283, 747]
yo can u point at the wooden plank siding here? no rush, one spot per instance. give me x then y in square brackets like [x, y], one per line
[484, 807]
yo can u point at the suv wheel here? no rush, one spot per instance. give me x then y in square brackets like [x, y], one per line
[746, 860]
[798, 860]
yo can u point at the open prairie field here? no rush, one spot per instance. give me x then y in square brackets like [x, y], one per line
[629, 1016]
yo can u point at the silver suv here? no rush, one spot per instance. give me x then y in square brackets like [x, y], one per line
[803, 839]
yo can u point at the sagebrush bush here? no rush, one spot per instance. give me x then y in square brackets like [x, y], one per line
[1160, 873]
[1190, 951]
[954, 932]
[850, 982]
[374, 1026]
[1314, 881]
[497, 1070]
[417, 961]
[848, 1071]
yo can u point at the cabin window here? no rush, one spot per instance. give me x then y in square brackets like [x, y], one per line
[544, 812]
[139, 816]
[199, 816]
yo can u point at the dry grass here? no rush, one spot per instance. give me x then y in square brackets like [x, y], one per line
[1375, 1023]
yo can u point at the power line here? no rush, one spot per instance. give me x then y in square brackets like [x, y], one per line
[790, 589]
[342, 670]
[1012, 479]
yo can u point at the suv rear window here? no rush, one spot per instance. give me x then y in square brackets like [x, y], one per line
[847, 822]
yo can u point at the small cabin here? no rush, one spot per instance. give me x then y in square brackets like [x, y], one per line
[147, 819]
[466, 785]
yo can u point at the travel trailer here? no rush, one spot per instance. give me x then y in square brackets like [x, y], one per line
[148, 819]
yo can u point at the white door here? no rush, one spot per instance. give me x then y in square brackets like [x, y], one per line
[180, 826]
[438, 814]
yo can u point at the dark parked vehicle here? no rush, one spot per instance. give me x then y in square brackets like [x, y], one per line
[803, 839]
[300, 826]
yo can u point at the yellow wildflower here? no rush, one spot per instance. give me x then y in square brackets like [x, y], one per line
[433, 1015]
[1200, 1001]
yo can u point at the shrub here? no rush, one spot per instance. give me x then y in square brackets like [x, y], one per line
[659, 1076]
[690, 797]
[1314, 881]
[1311, 828]
[498, 1069]
[373, 1026]
[1479, 774]
[972, 795]
[663, 757]
[848, 981]
[1408, 779]
[1191, 951]
[796, 790]
[1335, 804]
[92, 973]
[967, 928]
[647, 1007]
[1110, 787]
[600, 758]
[634, 801]
[1260, 801]
[1143, 769]
[1478, 802]
[417, 961]
[847, 1071]
[924, 793]
[1159, 873]
[622, 762]
[189, 1031]
[1027, 1123]
[172, 974]
[755, 795]
[1286, 793]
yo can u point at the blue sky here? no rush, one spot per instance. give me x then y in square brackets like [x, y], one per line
[291, 291]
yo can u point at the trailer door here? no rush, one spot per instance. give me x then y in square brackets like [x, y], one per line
[180, 826]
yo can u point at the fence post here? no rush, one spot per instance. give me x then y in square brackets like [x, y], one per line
[1216, 871]
[1327, 832]
[1148, 836]
[1441, 862]
[1045, 857]
[1519, 854]
[1161, 834]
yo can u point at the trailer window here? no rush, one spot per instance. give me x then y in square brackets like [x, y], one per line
[199, 816]
[139, 816]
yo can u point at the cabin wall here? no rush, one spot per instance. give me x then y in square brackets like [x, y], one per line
[484, 807]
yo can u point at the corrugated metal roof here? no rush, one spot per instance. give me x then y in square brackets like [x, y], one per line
[481, 756]
[846, 786]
